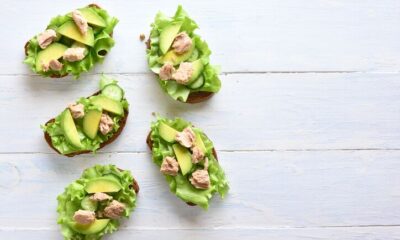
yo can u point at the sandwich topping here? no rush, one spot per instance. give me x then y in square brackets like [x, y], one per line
[180, 57]
[72, 43]
[185, 156]
[94, 204]
[89, 122]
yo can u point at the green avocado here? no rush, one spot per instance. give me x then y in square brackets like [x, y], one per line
[198, 142]
[174, 58]
[52, 52]
[92, 17]
[108, 104]
[93, 228]
[197, 70]
[70, 30]
[168, 35]
[167, 133]
[184, 158]
[69, 129]
[91, 122]
[102, 184]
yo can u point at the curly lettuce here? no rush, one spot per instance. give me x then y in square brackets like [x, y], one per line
[103, 42]
[210, 73]
[180, 185]
[58, 138]
[70, 200]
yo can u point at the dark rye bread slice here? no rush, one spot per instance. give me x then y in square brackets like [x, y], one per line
[150, 145]
[66, 74]
[194, 97]
[122, 124]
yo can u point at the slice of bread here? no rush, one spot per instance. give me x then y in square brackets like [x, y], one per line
[122, 124]
[150, 145]
[66, 74]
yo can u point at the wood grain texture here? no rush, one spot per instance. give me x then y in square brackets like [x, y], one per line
[267, 111]
[354, 233]
[274, 189]
[276, 35]
[307, 122]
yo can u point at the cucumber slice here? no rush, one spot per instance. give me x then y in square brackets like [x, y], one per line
[113, 91]
[197, 83]
[88, 204]
[195, 55]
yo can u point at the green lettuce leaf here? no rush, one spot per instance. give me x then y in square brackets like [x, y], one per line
[210, 73]
[70, 200]
[180, 185]
[61, 143]
[103, 42]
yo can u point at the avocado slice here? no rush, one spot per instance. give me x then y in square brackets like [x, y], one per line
[184, 158]
[198, 67]
[174, 58]
[167, 133]
[198, 142]
[168, 35]
[53, 51]
[91, 122]
[102, 184]
[92, 17]
[70, 30]
[93, 228]
[69, 129]
[108, 104]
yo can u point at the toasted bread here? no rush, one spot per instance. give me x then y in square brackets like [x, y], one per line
[122, 124]
[150, 145]
[194, 97]
[66, 74]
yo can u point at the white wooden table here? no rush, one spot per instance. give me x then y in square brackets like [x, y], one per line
[307, 122]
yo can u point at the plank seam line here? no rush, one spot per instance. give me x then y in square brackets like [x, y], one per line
[229, 151]
[224, 73]
[212, 229]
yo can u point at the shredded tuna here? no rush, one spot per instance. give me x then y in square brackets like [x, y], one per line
[200, 179]
[77, 110]
[46, 38]
[186, 138]
[84, 217]
[182, 43]
[114, 210]
[169, 166]
[80, 21]
[99, 197]
[183, 74]
[106, 124]
[197, 154]
[74, 54]
[166, 71]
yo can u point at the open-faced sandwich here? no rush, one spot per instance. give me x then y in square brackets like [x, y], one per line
[90, 123]
[93, 205]
[180, 58]
[71, 43]
[188, 160]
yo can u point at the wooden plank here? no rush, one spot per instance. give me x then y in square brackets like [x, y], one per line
[354, 233]
[268, 190]
[276, 35]
[252, 111]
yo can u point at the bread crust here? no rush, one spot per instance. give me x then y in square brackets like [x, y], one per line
[122, 124]
[66, 74]
[150, 145]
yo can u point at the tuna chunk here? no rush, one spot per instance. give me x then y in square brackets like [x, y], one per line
[183, 74]
[182, 43]
[197, 154]
[200, 179]
[186, 138]
[80, 22]
[77, 110]
[46, 38]
[106, 124]
[166, 71]
[74, 54]
[169, 166]
[114, 210]
[84, 217]
[99, 197]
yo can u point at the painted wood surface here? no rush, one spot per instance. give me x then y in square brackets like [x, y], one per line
[256, 35]
[307, 122]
